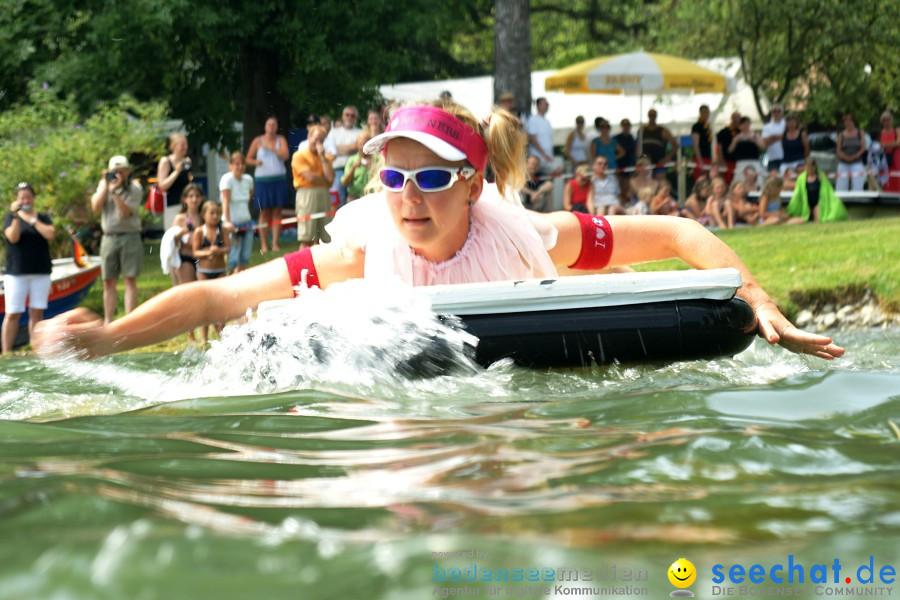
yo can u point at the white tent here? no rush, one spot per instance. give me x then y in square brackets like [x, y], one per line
[676, 111]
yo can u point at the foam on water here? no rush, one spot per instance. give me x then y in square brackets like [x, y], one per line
[383, 345]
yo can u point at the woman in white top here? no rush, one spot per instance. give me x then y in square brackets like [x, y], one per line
[236, 188]
[267, 153]
[577, 144]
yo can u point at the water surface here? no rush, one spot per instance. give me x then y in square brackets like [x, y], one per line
[325, 470]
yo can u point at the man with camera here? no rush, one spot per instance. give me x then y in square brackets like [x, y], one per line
[117, 200]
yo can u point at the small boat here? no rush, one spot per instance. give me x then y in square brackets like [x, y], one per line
[599, 319]
[70, 283]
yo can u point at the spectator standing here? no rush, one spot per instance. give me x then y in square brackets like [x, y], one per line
[187, 220]
[344, 140]
[576, 149]
[211, 245]
[540, 136]
[605, 145]
[173, 174]
[374, 122]
[890, 143]
[851, 145]
[772, 134]
[626, 163]
[267, 153]
[745, 149]
[117, 199]
[723, 145]
[237, 190]
[794, 145]
[658, 144]
[537, 193]
[313, 175]
[28, 264]
[701, 138]
[605, 190]
[359, 169]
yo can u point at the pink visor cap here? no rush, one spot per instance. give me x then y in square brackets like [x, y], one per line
[437, 130]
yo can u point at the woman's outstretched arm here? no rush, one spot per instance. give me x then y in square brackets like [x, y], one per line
[652, 238]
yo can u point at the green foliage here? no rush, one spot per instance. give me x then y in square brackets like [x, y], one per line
[47, 144]
[821, 57]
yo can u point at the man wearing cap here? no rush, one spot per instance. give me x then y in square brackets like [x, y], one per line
[117, 200]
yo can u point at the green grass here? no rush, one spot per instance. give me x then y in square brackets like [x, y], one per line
[790, 263]
[806, 261]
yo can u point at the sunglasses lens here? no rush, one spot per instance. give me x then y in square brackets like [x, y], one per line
[433, 179]
[392, 180]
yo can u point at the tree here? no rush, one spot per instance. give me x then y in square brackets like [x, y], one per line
[821, 56]
[512, 52]
[47, 144]
[217, 64]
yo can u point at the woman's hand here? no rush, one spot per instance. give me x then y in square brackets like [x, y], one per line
[79, 331]
[776, 329]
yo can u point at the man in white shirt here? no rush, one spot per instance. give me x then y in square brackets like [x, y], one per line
[540, 136]
[344, 141]
[772, 133]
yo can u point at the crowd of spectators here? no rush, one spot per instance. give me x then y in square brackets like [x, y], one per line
[735, 170]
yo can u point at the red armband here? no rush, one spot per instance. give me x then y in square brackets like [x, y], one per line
[596, 242]
[301, 268]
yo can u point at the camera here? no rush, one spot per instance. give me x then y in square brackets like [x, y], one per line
[111, 176]
[186, 165]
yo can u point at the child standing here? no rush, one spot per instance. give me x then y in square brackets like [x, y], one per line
[211, 247]
[237, 190]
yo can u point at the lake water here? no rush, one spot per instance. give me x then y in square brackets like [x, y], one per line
[290, 469]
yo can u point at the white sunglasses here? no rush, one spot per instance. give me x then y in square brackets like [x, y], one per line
[427, 179]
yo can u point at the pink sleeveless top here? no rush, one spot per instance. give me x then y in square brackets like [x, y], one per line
[505, 242]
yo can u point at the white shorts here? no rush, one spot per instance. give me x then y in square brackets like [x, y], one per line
[16, 288]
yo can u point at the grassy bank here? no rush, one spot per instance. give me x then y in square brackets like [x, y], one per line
[792, 263]
[806, 261]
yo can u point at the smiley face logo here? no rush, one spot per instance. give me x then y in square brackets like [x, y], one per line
[682, 573]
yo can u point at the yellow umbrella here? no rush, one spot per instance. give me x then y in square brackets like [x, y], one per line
[637, 73]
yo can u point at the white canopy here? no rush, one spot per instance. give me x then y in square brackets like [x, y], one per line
[676, 111]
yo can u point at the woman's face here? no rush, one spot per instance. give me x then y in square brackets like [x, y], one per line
[373, 121]
[193, 199]
[238, 167]
[848, 123]
[434, 224]
[600, 167]
[811, 170]
[25, 199]
[739, 190]
[271, 126]
[180, 146]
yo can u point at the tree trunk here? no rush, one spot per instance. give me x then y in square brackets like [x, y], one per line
[260, 74]
[512, 51]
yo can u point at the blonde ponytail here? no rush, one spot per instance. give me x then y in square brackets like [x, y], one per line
[506, 151]
[505, 141]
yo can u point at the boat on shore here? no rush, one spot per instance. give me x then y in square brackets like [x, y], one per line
[70, 283]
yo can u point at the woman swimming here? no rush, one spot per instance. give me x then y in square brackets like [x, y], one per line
[437, 221]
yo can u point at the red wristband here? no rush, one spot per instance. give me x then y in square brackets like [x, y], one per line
[596, 242]
[297, 263]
